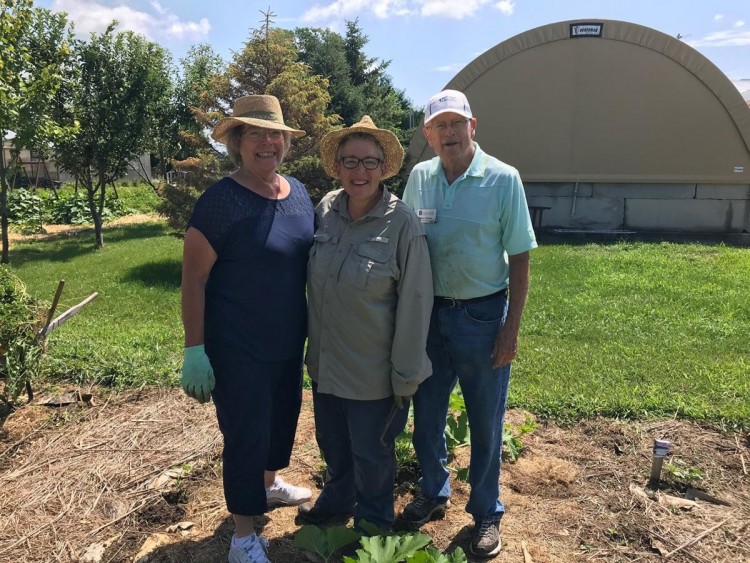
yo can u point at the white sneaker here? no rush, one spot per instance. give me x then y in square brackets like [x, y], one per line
[281, 493]
[254, 550]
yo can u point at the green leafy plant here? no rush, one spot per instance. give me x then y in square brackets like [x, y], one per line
[25, 210]
[433, 555]
[405, 454]
[376, 547]
[324, 542]
[73, 209]
[389, 548]
[512, 444]
[20, 351]
[457, 432]
[682, 472]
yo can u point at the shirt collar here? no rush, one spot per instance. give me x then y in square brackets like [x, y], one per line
[386, 202]
[477, 166]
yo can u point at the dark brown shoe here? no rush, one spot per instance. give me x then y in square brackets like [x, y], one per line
[309, 513]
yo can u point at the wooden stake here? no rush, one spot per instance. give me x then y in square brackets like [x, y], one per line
[51, 312]
[69, 313]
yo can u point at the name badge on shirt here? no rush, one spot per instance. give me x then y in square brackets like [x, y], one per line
[427, 215]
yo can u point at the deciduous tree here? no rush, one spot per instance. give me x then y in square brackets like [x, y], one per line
[120, 78]
[34, 47]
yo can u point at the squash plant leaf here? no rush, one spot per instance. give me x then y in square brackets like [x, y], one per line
[324, 541]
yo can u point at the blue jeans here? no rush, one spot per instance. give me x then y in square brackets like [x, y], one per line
[358, 440]
[459, 344]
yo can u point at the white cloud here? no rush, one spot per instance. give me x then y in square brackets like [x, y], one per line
[739, 23]
[453, 68]
[451, 8]
[723, 39]
[338, 10]
[347, 9]
[506, 7]
[718, 17]
[92, 16]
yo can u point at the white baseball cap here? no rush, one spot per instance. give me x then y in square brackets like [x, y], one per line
[447, 101]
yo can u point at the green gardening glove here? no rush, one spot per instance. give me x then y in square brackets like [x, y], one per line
[197, 374]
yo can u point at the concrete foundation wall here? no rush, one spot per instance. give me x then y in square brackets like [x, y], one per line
[690, 208]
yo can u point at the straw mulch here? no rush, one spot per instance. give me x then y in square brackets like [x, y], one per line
[94, 477]
[89, 471]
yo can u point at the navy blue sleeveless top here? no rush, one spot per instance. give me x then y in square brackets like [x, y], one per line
[255, 294]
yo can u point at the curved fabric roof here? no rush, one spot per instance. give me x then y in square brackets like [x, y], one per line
[631, 105]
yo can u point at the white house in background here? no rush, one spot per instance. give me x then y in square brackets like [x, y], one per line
[613, 126]
[45, 169]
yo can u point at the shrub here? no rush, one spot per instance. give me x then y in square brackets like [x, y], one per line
[139, 197]
[177, 204]
[192, 176]
[20, 351]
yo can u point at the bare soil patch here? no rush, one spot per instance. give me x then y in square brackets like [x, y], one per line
[119, 473]
[62, 230]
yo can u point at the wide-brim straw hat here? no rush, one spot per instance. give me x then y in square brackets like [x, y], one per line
[393, 152]
[258, 110]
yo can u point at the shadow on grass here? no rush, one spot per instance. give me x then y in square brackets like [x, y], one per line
[66, 246]
[166, 273]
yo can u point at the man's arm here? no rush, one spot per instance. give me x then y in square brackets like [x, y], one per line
[506, 343]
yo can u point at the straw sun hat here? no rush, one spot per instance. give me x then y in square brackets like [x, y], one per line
[258, 110]
[392, 149]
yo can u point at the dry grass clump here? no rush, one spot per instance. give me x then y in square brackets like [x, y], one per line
[94, 471]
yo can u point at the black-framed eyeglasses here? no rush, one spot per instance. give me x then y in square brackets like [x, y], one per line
[442, 127]
[351, 162]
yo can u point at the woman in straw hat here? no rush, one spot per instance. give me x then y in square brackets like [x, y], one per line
[244, 313]
[369, 300]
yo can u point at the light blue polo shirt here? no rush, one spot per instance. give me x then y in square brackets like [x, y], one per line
[479, 220]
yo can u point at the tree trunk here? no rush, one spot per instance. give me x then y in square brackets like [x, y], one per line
[4, 221]
[96, 215]
[4, 207]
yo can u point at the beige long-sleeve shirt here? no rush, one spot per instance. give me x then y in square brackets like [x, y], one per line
[369, 291]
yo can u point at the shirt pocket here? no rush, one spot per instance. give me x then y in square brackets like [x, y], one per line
[374, 269]
[322, 242]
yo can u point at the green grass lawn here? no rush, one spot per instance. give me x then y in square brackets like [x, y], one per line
[132, 332]
[626, 329]
[637, 329]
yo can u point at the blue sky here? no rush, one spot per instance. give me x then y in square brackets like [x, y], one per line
[428, 41]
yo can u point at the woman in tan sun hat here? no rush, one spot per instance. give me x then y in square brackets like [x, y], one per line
[244, 313]
[369, 294]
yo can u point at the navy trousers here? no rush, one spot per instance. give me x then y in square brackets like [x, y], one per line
[257, 405]
[358, 440]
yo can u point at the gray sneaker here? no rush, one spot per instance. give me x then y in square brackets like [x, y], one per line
[423, 509]
[485, 539]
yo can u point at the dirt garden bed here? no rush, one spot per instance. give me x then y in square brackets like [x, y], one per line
[105, 481]
[62, 230]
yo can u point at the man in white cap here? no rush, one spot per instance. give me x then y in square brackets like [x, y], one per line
[473, 209]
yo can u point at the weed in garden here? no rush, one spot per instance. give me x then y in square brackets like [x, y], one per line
[683, 473]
